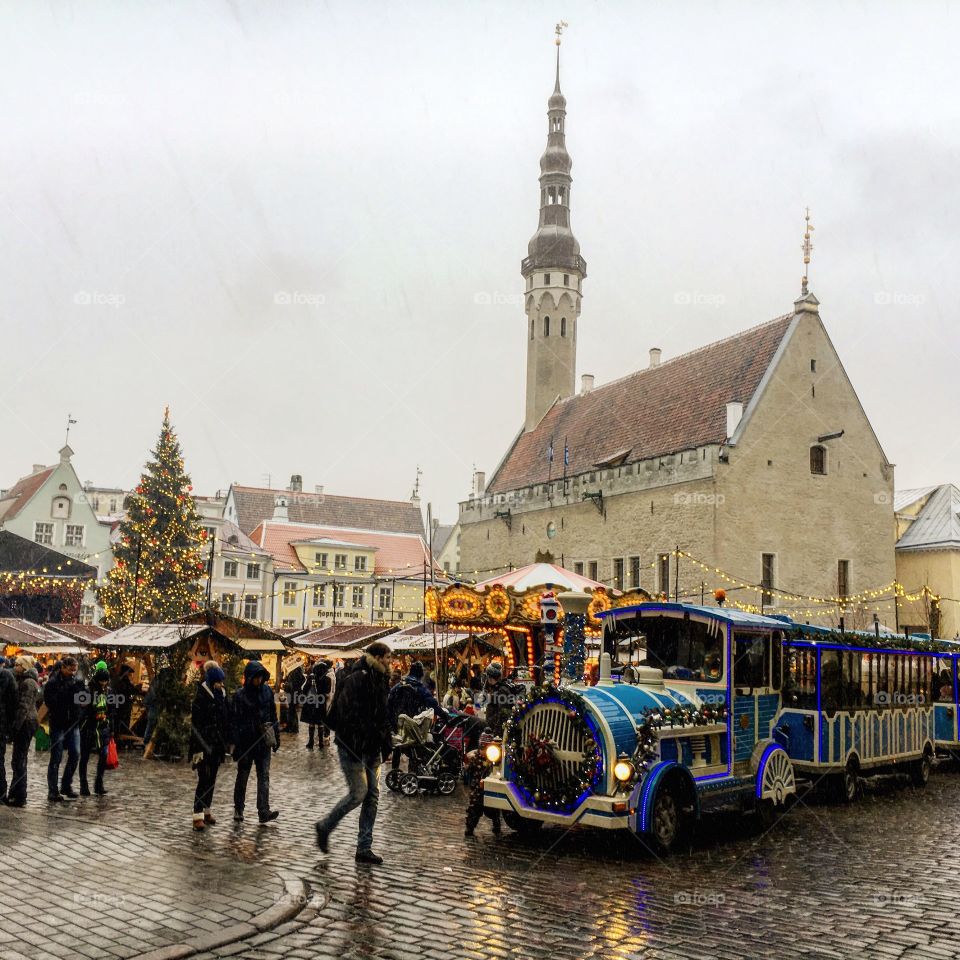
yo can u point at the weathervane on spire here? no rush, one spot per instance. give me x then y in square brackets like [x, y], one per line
[807, 248]
[559, 30]
[70, 421]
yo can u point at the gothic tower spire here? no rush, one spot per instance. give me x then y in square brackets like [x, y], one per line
[553, 271]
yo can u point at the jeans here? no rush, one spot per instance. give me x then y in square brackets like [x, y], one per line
[363, 785]
[151, 726]
[207, 780]
[22, 739]
[69, 738]
[259, 756]
[3, 764]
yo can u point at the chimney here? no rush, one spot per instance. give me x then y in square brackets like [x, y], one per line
[296, 483]
[280, 509]
[734, 416]
[586, 382]
[479, 483]
[37, 467]
[318, 488]
[655, 357]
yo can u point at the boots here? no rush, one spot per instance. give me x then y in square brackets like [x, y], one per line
[84, 788]
[198, 823]
[208, 818]
[98, 788]
[310, 741]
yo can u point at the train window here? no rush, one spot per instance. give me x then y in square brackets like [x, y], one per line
[683, 649]
[751, 666]
[776, 640]
[943, 682]
[800, 683]
[830, 681]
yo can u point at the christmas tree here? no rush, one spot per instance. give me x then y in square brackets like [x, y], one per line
[158, 559]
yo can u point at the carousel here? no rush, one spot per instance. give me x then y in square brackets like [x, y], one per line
[505, 611]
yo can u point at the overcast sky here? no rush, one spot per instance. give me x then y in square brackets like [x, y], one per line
[172, 173]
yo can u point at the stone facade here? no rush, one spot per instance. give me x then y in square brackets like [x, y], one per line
[726, 503]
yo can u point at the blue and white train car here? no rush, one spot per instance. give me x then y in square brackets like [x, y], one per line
[652, 755]
[723, 708]
[856, 704]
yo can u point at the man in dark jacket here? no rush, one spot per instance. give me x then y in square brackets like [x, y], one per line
[8, 714]
[501, 697]
[292, 686]
[96, 724]
[123, 690]
[256, 734]
[209, 733]
[65, 698]
[24, 727]
[359, 717]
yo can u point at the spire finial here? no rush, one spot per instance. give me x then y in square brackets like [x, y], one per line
[807, 248]
[559, 31]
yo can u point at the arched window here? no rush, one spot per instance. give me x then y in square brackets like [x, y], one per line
[531, 328]
[546, 326]
[563, 326]
[818, 460]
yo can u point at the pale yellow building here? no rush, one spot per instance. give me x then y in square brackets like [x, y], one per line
[928, 559]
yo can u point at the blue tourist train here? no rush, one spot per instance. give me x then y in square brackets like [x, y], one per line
[718, 708]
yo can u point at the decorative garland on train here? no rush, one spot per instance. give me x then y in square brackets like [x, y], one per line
[531, 760]
[872, 641]
[654, 720]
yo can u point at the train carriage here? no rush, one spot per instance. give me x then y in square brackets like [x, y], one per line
[723, 708]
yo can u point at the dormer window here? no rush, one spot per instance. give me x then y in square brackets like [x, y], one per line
[818, 460]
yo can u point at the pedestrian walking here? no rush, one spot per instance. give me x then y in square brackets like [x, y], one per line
[64, 696]
[292, 687]
[24, 727]
[151, 703]
[124, 690]
[317, 693]
[8, 714]
[209, 726]
[256, 736]
[358, 715]
[476, 767]
[95, 729]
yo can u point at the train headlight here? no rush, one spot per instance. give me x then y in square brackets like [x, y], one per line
[493, 752]
[623, 770]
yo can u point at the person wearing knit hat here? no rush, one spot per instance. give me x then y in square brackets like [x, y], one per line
[23, 728]
[208, 740]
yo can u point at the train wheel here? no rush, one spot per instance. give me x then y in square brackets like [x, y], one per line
[521, 824]
[846, 785]
[920, 771]
[666, 825]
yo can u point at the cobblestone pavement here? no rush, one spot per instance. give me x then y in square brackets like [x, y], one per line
[121, 875]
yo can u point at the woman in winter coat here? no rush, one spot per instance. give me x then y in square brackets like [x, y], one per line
[317, 693]
[24, 727]
[210, 726]
[96, 724]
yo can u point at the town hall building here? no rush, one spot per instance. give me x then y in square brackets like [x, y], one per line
[746, 461]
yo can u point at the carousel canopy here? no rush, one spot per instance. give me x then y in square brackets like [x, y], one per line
[541, 575]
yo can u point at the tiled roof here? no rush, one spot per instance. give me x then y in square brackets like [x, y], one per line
[256, 504]
[21, 493]
[678, 405]
[441, 535]
[85, 632]
[398, 554]
[937, 526]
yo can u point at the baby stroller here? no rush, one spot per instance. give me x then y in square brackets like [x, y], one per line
[433, 751]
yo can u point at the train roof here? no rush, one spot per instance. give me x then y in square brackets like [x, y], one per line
[722, 614]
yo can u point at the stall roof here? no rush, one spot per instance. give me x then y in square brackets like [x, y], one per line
[83, 632]
[151, 636]
[17, 632]
[345, 636]
[263, 646]
[40, 650]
